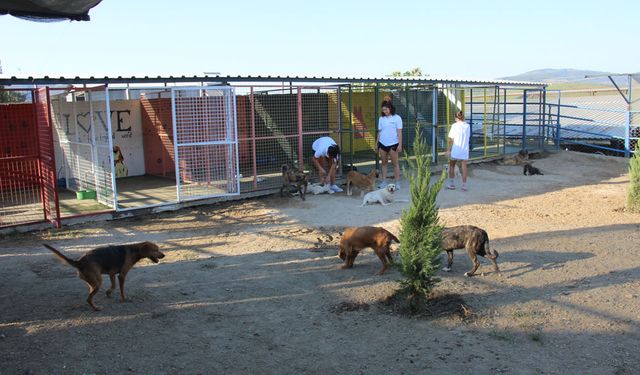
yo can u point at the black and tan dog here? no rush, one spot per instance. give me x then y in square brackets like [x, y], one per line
[291, 176]
[111, 260]
[355, 239]
[474, 240]
[530, 170]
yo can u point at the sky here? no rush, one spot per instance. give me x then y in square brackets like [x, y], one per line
[342, 38]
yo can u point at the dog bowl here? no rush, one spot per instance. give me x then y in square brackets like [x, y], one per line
[86, 194]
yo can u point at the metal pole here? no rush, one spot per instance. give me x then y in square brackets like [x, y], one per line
[94, 147]
[504, 123]
[176, 156]
[627, 130]
[558, 124]
[524, 119]
[234, 121]
[484, 120]
[471, 120]
[434, 125]
[351, 124]
[405, 136]
[254, 165]
[375, 117]
[543, 98]
[58, 222]
[627, 126]
[339, 91]
[300, 158]
[114, 186]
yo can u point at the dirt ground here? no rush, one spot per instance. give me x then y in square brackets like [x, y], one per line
[255, 287]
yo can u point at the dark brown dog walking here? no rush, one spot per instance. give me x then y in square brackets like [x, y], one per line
[356, 239]
[111, 260]
[474, 240]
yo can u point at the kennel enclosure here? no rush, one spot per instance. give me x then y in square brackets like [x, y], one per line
[140, 143]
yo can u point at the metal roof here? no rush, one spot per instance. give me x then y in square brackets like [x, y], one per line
[46, 80]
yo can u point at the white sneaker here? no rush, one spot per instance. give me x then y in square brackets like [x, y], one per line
[336, 189]
[383, 185]
[397, 183]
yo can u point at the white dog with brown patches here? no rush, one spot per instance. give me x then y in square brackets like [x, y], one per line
[383, 196]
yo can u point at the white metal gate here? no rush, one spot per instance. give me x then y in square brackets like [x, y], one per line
[83, 126]
[205, 142]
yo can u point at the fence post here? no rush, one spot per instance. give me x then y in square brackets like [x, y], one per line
[558, 124]
[254, 164]
[434, 127]
[300, 157]
[627, 133]
[351, 125]
[524, 119]
[376, 117]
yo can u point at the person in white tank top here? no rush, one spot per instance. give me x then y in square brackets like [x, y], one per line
[458, 150]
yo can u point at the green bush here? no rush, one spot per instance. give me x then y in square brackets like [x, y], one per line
[421, 232]
[633, 196]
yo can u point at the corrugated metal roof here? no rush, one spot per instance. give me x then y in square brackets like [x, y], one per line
[233, 79]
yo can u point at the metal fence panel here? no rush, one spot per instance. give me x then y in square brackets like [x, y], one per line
[83, 126]
[205, 142]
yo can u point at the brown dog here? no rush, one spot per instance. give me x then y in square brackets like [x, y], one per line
[110, 260]
[361, 181]
[474, 240]
[292, 176]
[356, 239]
[517, 159]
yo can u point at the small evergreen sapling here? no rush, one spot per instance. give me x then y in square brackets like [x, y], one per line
[421, 232]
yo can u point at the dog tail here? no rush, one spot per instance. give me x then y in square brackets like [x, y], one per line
[491, 253]
[393, 238]
[62, 257]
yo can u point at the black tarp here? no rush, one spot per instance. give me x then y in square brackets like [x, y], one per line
[48, 10]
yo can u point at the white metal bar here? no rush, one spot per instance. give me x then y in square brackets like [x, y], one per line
[114, 190]
[234, 120]
[94, 150]
[230, 142]
[175, 142]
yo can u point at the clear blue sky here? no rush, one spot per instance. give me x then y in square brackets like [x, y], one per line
[466, 39]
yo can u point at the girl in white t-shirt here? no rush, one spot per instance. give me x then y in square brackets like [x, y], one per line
[389, 141]
[458, 150]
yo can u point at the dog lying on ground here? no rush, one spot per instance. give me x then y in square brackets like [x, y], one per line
[291, 176]
[518, 159]
[355, 239]
[319, 189]
[361, 181]
[111, 260]
[474, 240]
[531, 170]
[384, 196]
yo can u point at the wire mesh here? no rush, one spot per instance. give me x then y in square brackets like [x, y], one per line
[46, 157]
[205, 140]
[593, 119]
[83, 130]
[277, 126]
[20, 191]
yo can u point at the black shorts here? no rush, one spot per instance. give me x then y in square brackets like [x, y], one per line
[388, 148]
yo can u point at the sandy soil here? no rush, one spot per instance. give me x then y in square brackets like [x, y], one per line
[256, 287]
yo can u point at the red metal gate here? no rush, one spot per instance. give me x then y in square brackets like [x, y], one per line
[27, 164]
[46, 157]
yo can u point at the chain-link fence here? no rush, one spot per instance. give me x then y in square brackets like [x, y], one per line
[603, 118]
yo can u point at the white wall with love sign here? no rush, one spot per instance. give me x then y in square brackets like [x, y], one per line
[72, 123]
